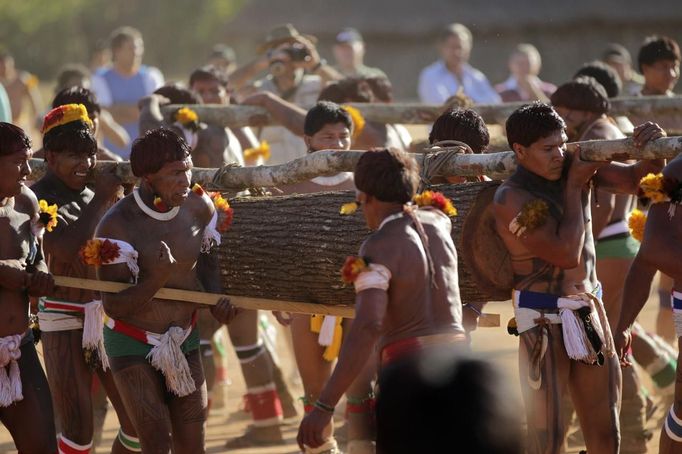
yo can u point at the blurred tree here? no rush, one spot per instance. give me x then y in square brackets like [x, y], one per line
[44, 35]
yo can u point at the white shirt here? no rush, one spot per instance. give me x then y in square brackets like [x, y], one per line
[437, 84]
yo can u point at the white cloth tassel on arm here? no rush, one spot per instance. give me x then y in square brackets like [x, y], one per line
[168, 358]
[326, 336]
[211, 235]
[599, 315]
[93, 326]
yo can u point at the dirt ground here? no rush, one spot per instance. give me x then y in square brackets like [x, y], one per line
[491, 343]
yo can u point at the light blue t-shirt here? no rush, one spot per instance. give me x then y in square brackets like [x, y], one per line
[5, 109]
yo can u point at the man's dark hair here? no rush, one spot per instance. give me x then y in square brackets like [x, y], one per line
[123, 34]
[656, 48]
[69, 74]
[351, 89]
[12, 139]
[157, 147]
[325, 113]
[464, 125]
[583, 93]
[209, 72]
[75, 136]
[532, 122]
[382, 88]
[177, 94]
[78, 95]
[389, 174]
[604, 74]
[443, 399]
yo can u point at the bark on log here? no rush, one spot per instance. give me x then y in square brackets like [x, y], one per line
[292, 248]
[415, 113]
[331, 162]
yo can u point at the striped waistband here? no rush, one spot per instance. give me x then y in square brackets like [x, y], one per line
[411, 345]
[46, 304]
[676, 298]
[146, 337]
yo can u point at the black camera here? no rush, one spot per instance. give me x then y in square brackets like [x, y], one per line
[297, 53]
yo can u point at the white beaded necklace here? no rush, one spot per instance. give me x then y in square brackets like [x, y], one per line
[167, 216]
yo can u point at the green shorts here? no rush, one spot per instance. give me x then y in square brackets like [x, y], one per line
[621, 246]
[117, 344]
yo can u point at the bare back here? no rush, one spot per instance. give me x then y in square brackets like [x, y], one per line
[416, 306]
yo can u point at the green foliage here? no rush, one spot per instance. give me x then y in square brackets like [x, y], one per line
[44, 35]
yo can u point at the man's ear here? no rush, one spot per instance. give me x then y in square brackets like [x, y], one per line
[307, 140]
[519, 150]
[48, 156]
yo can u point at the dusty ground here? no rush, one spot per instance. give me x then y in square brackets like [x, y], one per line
[492, 343]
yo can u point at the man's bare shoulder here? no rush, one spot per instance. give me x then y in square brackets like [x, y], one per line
[674, 169]
[27, 202]
[116, 222]
[603, 129]
[202, 204]
[510, 195]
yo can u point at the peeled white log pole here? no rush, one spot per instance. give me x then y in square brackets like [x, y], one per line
[235, 116]
[328, 162]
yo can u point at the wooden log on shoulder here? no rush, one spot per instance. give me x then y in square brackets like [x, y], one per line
[292, 248]
[234, 116]
[328, 162]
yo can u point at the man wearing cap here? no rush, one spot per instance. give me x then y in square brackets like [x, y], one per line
[224, 58]
[618, 57]
[349, 53]
[452, 72]
[290, 55]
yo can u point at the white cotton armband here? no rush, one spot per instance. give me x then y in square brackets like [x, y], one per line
[377, 276]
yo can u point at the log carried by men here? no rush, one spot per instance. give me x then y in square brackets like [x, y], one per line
[291, 248]
[235, 116]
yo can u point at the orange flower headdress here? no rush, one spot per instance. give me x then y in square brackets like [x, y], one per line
[436, 200]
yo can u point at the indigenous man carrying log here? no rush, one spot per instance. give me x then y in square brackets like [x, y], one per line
[542, 214]
[660, 250]
[583, 104]
[160, 235]
[317, 338]
[405, 280]
[71, 319]
[25, 406]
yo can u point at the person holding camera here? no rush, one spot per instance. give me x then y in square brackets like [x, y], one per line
[296, 75]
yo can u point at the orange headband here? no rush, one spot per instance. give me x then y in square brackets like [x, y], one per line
[65, 114]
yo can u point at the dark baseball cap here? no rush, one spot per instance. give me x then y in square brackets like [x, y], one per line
[349, 36]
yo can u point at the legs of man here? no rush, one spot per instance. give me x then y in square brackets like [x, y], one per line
[126, 440]
[595, 393]
[256, 367]
[657, 359]
[188, 413]
[70, 381]
[313, 368]
[208, 325]
[143, 392]
[360, 407]
[546, 426]
[31, 420]
[669, 445]
[612, 272]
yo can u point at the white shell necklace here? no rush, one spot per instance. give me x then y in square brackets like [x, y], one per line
[167, 216]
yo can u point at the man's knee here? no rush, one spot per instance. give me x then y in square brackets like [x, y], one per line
[249, 353]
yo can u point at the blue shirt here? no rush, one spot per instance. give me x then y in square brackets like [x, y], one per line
[113, 88]
[437, 84]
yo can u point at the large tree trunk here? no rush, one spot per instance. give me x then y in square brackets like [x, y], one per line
[414, 113]
[321, 163]
[292, 248]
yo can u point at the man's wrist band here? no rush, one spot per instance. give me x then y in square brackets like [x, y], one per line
[324, 407]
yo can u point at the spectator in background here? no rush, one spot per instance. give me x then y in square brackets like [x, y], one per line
[618, 57]
[445, 77]
[349, 53]
[121, 86]
[523, 83]
[224, 58]
[21, 86]
[659, 62]
[100, 58]
[5, 108]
